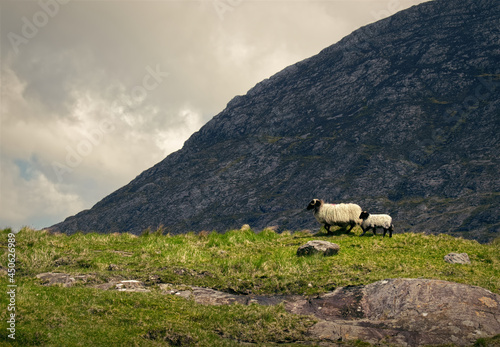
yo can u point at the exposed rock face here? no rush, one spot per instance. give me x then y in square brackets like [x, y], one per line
[318, 246]
[408, 312]
[402, 312]
[400, 117]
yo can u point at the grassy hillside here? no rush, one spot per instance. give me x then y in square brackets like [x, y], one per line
[238, 262]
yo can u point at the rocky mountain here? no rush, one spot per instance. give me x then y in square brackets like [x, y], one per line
[402, 117]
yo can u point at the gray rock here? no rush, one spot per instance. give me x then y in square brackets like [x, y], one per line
[67, 280]
[56, 278]
[318, 246]
[131, 286]
[457, 258]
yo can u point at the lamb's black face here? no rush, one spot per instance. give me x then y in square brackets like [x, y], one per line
[364, 215]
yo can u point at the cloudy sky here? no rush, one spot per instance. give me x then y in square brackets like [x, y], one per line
[95, 92]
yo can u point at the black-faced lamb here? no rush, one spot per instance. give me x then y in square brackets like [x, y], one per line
[335, 214]
[374, 221]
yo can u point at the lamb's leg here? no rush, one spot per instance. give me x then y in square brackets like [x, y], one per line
[364, 231]
[374, 230]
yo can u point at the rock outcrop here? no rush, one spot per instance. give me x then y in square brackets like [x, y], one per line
[400, 117]
[406, 312]
[401, 311]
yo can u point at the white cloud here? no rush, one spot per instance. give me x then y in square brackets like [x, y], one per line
[170, 140]
[30, 200]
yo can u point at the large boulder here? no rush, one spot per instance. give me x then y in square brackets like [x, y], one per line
[404, 312]
[318, 246]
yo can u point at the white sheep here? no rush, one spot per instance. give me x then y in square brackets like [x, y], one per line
[335, 214]
[374, 221]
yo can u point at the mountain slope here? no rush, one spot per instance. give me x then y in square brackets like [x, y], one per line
[401, 117]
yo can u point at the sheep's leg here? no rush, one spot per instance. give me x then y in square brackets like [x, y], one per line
[374, 230]
[327, 227]
[385, 231]
[352, 226]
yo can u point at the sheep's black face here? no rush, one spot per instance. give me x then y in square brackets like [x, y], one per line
[313, 204]
[310, 206]
[364, 215]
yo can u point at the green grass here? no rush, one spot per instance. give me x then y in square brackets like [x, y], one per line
[243, 262]
[59, 316]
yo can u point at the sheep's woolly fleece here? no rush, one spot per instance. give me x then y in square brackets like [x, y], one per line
[338, 214]
[377, 220]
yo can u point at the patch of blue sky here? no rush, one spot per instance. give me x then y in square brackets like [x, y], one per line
[26, 170]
